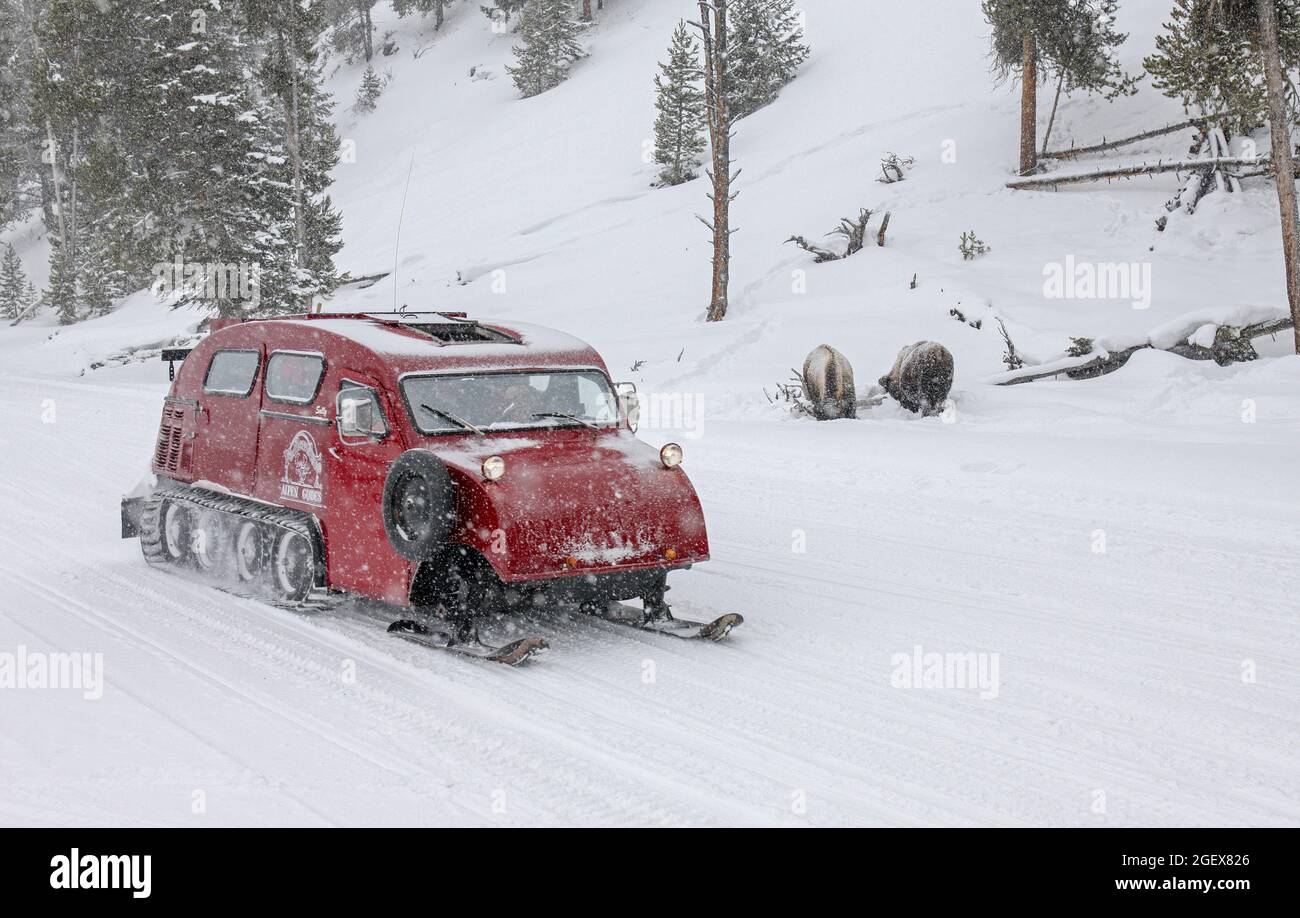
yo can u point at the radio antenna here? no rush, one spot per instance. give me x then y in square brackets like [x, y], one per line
[400, 217]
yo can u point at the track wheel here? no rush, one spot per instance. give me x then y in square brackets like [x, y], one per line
[177, 525]
[250, 551]
[208, 541]
[293, 566]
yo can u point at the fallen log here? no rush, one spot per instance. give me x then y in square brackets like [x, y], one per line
[1054, 181]
[1231, 345]
[1124, 141]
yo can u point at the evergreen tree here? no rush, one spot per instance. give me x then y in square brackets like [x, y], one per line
[290, 74]
[549, 36]
[1209, 58]
[352, 28]
[405, 8]
[13, 284]
[372, 86]
[16, 161]
[679, 139]
[766, 49]
[1073, 40]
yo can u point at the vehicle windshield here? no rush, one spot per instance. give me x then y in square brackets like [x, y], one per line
[495, 401]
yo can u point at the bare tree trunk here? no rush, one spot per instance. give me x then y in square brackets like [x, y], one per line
[1051, 120]
[713, 25]
[1029, 107]
[586, 10]
[439, 14]
[295, 153]
[1283, 167]
[368, 27]
[58, 190]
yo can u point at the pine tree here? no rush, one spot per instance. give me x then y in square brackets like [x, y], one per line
[405, 8]
[679, 139]
[549, 36]
[299, 122]
[1073, 40]
[13, 284]
[767, 48]
[1208, 58]
[352, 28]
[372, 86]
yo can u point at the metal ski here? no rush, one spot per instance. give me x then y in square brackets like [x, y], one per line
[511, 654]
[661, 621]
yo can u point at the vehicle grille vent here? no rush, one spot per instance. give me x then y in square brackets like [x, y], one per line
[167, 457]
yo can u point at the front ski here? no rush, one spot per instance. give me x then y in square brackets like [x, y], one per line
[665, 622]
[511, 654]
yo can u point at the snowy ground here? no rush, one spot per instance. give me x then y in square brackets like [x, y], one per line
[1124, 549]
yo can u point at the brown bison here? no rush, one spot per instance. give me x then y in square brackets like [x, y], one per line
[921, 378]
[828, 384]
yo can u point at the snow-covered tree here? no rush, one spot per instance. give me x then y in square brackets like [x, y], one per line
[352, 27]
[549, 44]
[437, 7]
[1074, 41]
[13, 284]
[1208, 58]
[306, 145]
[679, 128]
[767, 47]
[368, 93]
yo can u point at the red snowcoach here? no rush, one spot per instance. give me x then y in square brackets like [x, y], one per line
[450, 467]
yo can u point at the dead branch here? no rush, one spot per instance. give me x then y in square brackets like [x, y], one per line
[884, 225]
[852, 229]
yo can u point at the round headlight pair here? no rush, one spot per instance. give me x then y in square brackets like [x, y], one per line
[493, 468]
[671, 455]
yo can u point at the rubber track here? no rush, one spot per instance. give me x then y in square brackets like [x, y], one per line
[282, 518]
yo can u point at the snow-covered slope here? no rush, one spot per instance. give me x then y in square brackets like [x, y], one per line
[1123, 546]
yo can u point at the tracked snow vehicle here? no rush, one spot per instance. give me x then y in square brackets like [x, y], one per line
[449, 467]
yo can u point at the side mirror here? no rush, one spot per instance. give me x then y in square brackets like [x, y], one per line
[359, 416]
[629, 404]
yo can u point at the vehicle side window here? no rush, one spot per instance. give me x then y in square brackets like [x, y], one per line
[232, 372]
[359, 414]
[294, 377]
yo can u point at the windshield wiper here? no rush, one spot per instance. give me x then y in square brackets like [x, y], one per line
[464, 424]
[571, 417]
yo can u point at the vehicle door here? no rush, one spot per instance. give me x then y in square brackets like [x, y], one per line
[294, 431]
[364, 443]
[227, 419]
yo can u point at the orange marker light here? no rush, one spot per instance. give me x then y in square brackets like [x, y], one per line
[670, 554]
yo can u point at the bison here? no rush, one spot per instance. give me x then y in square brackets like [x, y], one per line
[921, 378]
[828, 384]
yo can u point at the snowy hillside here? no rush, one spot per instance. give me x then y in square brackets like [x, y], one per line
[1121, 548]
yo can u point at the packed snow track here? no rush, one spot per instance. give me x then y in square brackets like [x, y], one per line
[1120, 695]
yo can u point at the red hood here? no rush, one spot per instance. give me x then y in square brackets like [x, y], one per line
[575, 501]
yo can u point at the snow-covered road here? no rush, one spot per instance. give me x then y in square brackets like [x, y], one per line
[1153, 682]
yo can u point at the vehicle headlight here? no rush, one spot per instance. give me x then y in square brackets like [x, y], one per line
[493, 467]
[671, 455]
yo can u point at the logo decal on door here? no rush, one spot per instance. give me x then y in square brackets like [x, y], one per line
[302, 470]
